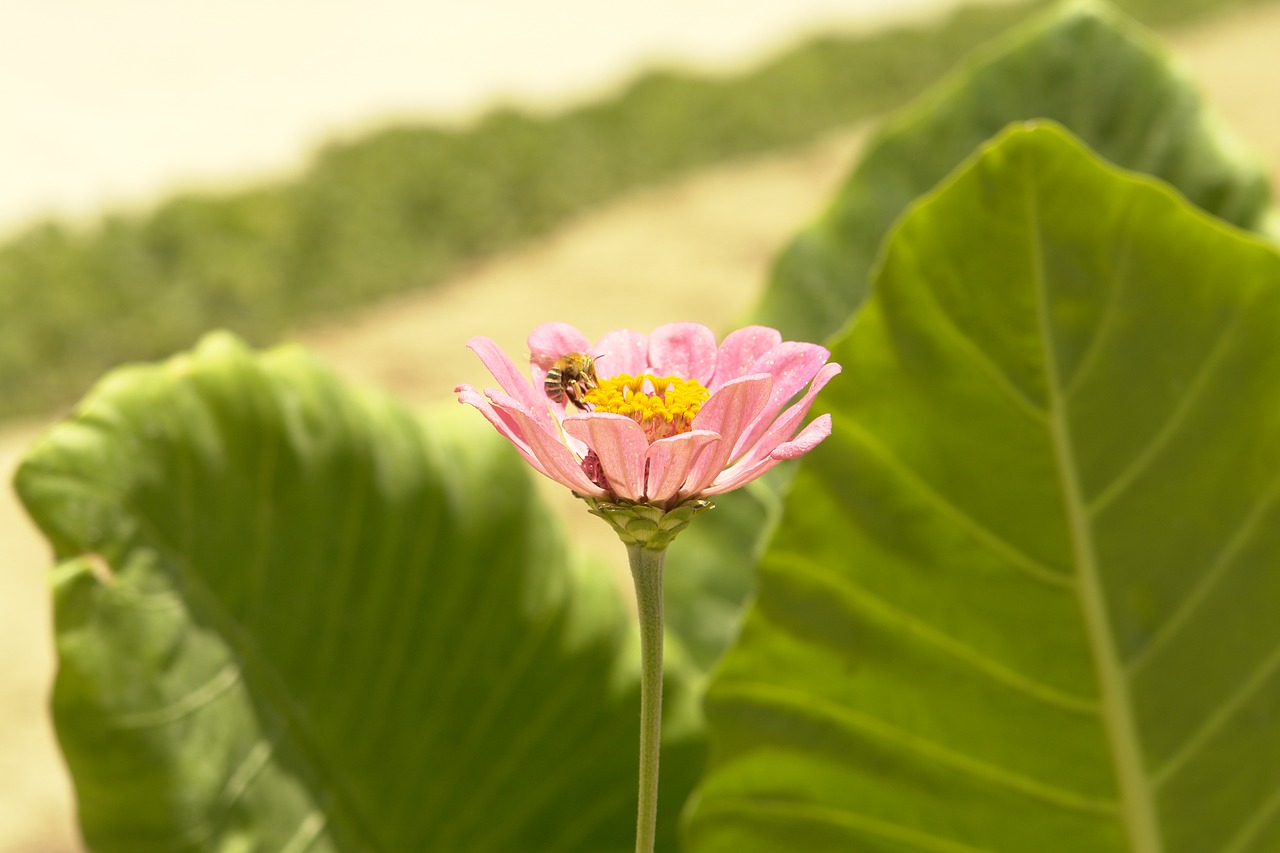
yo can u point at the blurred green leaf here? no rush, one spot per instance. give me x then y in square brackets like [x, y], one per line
[1024, 598]
[712, 566]
[290, 617]
[1082, 65]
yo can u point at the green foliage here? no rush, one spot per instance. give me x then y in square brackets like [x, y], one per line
[1023, 598]
[1019, 601]
[713, 564]
[1080, 65]
[290, 616]
[408, 207]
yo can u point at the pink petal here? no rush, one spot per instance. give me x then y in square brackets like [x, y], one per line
[557, 462]
[508, 375]
[506, 401]
[546, 344]
[739, 351]
[552, 340]
[727, 414]
[671, 459]
[619, 443]
[785, 425]
[502, 422]
[687, 350]
[747, 470]
[499, 409]
[809, 438]
[622, 351]
[792, 365]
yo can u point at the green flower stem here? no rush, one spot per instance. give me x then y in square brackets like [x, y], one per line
[646, 570]
[647, 530]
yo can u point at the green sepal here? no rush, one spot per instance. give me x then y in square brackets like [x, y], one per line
[649, 526]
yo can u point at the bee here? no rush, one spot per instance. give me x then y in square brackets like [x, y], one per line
[570, 378]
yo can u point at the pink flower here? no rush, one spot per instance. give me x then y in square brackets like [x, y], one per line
[672, 416]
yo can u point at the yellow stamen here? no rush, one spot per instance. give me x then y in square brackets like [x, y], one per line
[663, 405]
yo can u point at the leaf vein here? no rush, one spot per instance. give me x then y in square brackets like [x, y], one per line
[994, 543]
[807, 704]
[966, 654]
[263, 535]
[242, 777]
[320, 781]
[1255, 823]
[1215, 721]
[846, 818]
[979, 356]
[585, 754]
[506, 689]
[1093, 351]
[1141, 827]
[1181, 411]
[1210, 578]
[306, 833]
[192, 701]
[344, 568]
[500, 772]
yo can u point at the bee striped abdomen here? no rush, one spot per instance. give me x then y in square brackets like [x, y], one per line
[570, 378]
[554, 389]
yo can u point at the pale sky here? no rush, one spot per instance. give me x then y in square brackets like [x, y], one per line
[108, 104]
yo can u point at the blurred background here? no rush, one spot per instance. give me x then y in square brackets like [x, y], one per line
[381, 181]
[113, 103]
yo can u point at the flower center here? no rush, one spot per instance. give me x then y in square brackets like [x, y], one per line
[662, 405]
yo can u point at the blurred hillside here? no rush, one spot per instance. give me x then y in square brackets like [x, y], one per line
[113, 105]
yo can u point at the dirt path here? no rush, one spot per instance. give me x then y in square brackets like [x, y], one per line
[696, 249]
[35, 795]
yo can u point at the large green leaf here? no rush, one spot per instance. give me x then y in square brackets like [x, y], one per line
[292, 617]
[1082, 65]
[1025, 596]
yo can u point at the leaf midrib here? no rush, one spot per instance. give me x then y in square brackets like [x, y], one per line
[1140, 823]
